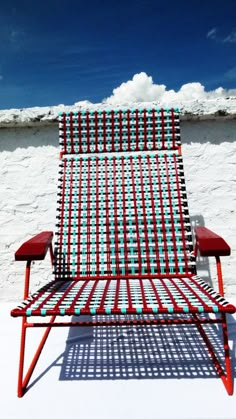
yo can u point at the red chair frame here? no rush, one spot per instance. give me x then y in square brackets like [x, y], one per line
[207, 244]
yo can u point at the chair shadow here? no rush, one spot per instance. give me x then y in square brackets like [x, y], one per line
[141, 352]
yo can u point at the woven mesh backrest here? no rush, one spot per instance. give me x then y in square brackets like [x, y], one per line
[122, 215]
[119, 130]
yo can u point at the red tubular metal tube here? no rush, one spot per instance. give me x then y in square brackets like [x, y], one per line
[138, 322]
[22, 357]
[229, 384]
[51, 254]
[219, 276]
[27, 279]
[225, 377]
[22, 383]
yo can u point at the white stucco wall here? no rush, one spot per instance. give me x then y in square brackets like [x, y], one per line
[28, 173]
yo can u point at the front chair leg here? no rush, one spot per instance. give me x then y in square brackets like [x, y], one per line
[23, 382]
[22, 357]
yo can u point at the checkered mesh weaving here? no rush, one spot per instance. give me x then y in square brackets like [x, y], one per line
[122, 215]
[121, 130]
[183, 294]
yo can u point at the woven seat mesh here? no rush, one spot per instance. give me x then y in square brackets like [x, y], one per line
[152, 295]
[122, 215]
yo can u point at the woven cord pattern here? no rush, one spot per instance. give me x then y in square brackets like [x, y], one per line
[150, 295]
[122, 215]
[119, 130]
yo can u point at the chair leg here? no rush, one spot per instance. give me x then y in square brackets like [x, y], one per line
[226, 376]
[229, 384]
[23, 382]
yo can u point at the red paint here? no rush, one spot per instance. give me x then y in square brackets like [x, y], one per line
[116, 219]
[219, 276]
[137, 129]
[120, 131]
[70, 210]
[171, 216]
[136, 216]
[72, 133]
[107, 218]
[80, 132]
[35, 248]
[210, 244]
[96, 130]
[88, 132]
[163, 129]
[79, 216]
[60, 267]
[153, 129]
[97, 216]
[173, 128]
[124, 218]
[112, 131]
[162, 216]
[181, 217]
[104, 132]
[145, 128]
[128, 130]
[145, 227]
[64, 134]
[88, 218]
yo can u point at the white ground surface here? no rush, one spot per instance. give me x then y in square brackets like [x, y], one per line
[56, 393]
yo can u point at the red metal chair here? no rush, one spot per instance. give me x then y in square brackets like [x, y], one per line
[123, 236]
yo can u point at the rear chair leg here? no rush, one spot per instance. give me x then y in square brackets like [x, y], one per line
[226, 376]
[229, 384]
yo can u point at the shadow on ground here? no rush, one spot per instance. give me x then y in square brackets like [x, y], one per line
[140, 352]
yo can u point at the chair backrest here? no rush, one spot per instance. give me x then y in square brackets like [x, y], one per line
[119, 130]
[122, 206]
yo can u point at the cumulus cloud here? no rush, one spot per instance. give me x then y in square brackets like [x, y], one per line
[142, 89]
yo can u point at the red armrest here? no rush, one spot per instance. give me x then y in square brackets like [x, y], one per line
[35, 248]
[210, 244]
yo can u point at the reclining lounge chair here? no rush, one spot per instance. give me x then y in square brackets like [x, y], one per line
[123, 248]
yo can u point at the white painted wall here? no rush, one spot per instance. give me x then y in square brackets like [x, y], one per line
[28, 173]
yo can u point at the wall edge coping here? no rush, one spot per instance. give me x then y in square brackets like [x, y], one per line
[193, 110]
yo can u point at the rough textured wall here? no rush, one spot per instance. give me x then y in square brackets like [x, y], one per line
[28, 170]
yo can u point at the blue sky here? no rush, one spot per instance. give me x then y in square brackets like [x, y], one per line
[54, 52]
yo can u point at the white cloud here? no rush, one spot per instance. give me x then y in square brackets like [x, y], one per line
[231, 38]
[212, 33]
[216, 35]
[142, 89]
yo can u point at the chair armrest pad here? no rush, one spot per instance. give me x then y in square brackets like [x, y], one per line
[210, 244]
[35, 248]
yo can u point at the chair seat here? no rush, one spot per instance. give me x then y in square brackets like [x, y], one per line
[125, 295]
